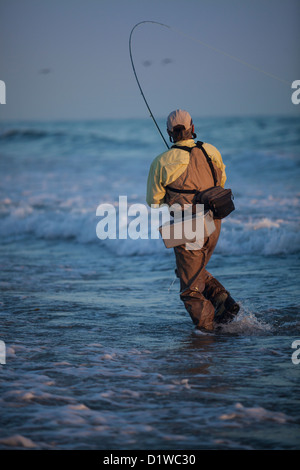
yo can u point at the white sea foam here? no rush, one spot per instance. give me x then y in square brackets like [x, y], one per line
[246, 323]
[256, 413]
[56, 198]
[18, 441]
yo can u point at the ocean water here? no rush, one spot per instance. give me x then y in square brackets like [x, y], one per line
[100, 352]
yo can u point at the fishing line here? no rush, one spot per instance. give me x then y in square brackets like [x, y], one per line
[172, 283]
[232, 57]
[220, 51]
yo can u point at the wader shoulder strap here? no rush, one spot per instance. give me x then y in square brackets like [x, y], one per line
[199, 144]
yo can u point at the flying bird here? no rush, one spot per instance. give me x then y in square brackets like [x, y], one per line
[167, 61]
[45, 71]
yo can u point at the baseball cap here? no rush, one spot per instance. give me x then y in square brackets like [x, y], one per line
[179, 117]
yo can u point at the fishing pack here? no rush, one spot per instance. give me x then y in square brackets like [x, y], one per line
[216, 199]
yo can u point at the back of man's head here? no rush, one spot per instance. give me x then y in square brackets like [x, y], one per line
[180, 125]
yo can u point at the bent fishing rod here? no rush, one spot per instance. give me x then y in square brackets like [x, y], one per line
[137, 80]
[226, 54]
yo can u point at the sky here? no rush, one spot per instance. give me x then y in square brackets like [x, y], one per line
[69, 59]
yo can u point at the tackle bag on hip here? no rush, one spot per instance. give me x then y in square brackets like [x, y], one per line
[216, 199]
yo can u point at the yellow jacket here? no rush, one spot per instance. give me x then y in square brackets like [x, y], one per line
[168, 166]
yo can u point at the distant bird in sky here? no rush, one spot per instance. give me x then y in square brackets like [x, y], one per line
[45, 71]
[147, 63]
[167, 61]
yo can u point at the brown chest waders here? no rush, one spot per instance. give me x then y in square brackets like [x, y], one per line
[205, 298]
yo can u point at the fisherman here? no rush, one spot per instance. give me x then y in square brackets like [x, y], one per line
[204, 297]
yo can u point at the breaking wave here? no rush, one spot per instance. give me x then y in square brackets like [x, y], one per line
[51, 219]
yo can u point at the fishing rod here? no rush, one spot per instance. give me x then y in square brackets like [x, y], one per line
[136, 77]
[209, 46]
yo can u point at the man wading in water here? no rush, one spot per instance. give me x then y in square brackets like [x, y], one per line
[204, 297]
